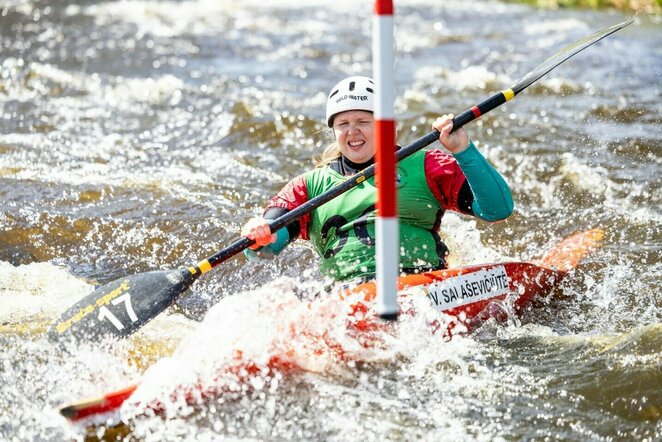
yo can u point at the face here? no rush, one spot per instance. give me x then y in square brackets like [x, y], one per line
[354, 133]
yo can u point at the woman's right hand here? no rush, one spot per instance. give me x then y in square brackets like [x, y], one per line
[259, 231]
[455, 142]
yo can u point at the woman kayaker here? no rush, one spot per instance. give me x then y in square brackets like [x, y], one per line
[429, 183]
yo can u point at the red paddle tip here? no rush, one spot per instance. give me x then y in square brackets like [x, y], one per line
[95, 406]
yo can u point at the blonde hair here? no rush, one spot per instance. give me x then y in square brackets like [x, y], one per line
[330, 153]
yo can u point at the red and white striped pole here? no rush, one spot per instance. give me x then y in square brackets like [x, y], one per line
[387, 231]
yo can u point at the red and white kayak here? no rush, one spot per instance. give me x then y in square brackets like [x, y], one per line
[463, 296]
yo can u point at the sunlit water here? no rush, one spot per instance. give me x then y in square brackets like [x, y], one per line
[142, 135]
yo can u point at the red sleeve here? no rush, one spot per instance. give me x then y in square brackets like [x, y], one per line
[294, 194]
[444, 177]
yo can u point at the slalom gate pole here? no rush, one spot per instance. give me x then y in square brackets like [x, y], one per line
[386, 229]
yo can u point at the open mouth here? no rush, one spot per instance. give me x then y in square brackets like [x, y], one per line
[356, 144]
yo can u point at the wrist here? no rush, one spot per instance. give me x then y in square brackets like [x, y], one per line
[461, 149]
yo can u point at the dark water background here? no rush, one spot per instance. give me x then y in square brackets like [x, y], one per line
[142, 135]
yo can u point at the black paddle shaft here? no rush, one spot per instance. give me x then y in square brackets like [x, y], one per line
[123, 306]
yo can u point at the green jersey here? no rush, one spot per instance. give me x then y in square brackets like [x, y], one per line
[343, 229]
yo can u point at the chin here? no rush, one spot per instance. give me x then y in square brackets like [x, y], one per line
[359, 157]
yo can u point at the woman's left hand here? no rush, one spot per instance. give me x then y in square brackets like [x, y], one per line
[257, 229]
[455, 142]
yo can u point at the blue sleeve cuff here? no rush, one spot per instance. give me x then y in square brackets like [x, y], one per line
[282, 240]
[492, 198]
[468, 156]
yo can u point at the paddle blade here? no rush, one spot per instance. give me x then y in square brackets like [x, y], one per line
[568, 254]
[565, 54]
[121, 307]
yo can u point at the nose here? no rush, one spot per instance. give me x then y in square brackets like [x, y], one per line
[353, 128]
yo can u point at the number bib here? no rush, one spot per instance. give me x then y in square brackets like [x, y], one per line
[343, 230]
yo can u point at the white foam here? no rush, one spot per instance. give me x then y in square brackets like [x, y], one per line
[37, 290]
[21, 81]
[464, 241]
[470, 78]
[170, 19]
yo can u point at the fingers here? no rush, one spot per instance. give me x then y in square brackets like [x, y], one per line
[455, 142]
[444, 124]
[258, 230]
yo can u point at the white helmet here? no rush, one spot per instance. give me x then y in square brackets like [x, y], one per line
[352, 93]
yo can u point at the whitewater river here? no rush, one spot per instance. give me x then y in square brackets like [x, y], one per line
[142, 135]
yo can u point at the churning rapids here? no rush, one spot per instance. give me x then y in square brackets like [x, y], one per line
[142, 135]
